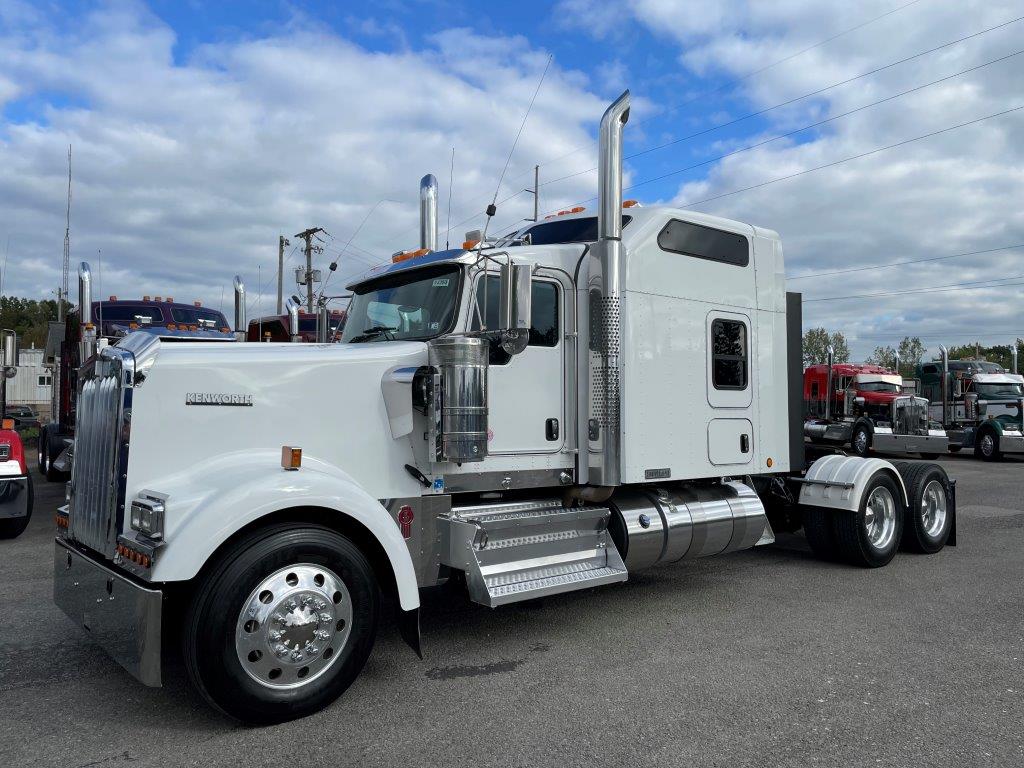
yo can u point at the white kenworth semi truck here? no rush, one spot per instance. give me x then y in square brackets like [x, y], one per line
[591, 397]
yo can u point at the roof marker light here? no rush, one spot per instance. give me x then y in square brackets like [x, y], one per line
[630, 203]
[291, 457]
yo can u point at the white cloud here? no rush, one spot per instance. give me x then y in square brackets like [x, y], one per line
[186, 172]
[953, 193]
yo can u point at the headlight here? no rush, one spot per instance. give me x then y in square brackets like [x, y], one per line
[148, 516]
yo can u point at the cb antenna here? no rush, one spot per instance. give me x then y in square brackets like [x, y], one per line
[451, 182]
[493, 207]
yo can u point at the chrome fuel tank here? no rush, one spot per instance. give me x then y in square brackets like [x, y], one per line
[666, 525]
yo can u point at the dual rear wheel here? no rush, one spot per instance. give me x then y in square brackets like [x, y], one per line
[870, 536]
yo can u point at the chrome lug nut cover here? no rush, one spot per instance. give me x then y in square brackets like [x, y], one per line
[288, 624]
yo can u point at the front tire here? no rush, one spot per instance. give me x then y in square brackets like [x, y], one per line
[987, 446]
[860, 441]
[283, 625]
[870, 536]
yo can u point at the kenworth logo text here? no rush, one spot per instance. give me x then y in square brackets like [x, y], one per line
[216, 398]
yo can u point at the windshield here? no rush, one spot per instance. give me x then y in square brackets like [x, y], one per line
[420, 304]
[878, 386]
[998, 391]
[204, 318]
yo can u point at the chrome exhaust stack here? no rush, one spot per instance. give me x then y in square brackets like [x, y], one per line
[428, 212]
[829, 394]
[602, 426]
[945, 384]
[293, 320]
[241, 327]
[1013, 356]
[87, 344]
[323, 324]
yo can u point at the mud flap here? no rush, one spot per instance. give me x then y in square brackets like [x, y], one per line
[951, 541]
[409, 629]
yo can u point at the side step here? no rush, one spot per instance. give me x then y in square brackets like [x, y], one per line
[521, 550]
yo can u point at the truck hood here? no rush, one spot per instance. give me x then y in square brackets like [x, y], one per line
[328, 399]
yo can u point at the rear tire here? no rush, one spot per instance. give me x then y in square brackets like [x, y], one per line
[870, 536]
[12, 528]
[283, 625]
[820, 530]
[987, 445]
[929, 516]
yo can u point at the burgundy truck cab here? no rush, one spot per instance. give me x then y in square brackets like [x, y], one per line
[876, 385]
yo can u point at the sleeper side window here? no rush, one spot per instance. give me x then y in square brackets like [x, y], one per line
[729, 354]
[704, 243]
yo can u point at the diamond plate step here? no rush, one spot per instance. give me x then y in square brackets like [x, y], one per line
[521, 550]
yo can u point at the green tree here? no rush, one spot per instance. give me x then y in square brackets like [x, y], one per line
[882, 356]
[28, 318]
[816, 342]
[997, 353]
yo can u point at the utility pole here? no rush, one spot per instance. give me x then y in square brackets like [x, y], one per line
[308, 235]
[282, 243]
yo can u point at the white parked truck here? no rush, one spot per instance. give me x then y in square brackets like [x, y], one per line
[590, 397]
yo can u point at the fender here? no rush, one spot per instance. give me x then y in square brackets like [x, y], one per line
[839, 482]
[205, 508]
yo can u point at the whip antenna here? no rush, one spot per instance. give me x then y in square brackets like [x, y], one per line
[493, 208]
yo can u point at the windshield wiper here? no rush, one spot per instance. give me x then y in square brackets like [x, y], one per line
[372, 333]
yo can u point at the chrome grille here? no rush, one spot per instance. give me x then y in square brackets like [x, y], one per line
[910, 416]
[95, 470]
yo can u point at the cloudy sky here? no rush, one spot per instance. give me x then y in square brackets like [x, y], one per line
[200, 132]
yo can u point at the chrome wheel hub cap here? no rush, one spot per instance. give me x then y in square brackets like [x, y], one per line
[293, 626]
[860, 441]
[988, 445]
[933, 509]
[880, 518]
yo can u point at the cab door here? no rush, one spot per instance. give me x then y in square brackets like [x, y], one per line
[730, 388]
[526, 393]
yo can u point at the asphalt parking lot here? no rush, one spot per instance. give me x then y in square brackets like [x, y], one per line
[766, 657]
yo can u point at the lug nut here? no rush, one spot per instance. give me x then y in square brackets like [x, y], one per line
[276, 635]
[313, 650]
[306, 600]
[322, 634]
[278, 618]
[280, 651]
[326, 617]
[296, 655]
[320, 605]
[291, 605]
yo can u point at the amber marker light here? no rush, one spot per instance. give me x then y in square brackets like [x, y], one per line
[291, 457]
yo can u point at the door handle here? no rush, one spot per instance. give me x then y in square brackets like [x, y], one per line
[744, 443]
[551, 429]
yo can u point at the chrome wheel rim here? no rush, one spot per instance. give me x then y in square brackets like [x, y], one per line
[880, 518]
[293, 626]
[933, 509]
[860, 441]
[988, 445]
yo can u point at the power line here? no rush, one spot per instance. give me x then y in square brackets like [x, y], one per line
[825, 165]
[855, 157]
[931, 289]
[818, 92]
[739, 80]
[901, 263]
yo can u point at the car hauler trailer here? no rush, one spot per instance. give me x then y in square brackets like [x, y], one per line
[979, 403]
[107, 322]
[864, 407]
[584, 401]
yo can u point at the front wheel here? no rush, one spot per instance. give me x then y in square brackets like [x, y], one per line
[861, 441]
[283, 625]
[870, 536]
[987, 446]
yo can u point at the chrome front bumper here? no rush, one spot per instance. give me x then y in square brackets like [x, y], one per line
[1011, 443]
[122, 617]
[15, 497]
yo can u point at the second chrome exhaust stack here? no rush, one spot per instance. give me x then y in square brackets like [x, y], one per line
[600, 429]
[428, 212]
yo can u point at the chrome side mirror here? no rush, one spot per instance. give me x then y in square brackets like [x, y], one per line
[515, 289]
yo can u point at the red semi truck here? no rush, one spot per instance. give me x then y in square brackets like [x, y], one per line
[865, 407]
